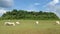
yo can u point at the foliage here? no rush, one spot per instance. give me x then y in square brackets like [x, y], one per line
[22, 14]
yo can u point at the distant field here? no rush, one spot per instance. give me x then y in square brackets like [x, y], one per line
[28, 27]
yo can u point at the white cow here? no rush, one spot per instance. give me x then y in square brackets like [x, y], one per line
[57, 22]
[17, 23]
[10, 23]
[37, 22]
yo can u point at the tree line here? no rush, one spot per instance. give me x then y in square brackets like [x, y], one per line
[34, 15]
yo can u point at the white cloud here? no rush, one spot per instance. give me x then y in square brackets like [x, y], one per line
[33, 7]
[36, 3]
[5, 4]
[54, 2]
[2, 11]
[53, 7]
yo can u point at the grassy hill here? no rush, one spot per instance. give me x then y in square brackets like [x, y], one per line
[28, 27]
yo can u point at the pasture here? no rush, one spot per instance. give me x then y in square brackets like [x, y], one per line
[28, 27]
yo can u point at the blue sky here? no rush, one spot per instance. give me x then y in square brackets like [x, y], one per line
[30, 5]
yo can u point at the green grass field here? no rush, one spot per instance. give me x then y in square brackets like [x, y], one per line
[28, 27]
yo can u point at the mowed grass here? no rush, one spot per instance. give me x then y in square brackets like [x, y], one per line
[28, 27]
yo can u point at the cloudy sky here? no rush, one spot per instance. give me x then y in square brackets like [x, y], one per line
[35, 5]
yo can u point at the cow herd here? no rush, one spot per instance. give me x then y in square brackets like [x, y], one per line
[14, 23]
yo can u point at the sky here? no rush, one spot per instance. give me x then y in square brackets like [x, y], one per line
[31, 5]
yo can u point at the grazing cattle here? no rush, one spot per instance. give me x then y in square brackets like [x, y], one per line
[17, 23]
[57, 22]
[10, 23]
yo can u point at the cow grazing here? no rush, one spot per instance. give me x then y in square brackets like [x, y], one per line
[17, 23]
[37, 22]
[10, 23]
[57, 22]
